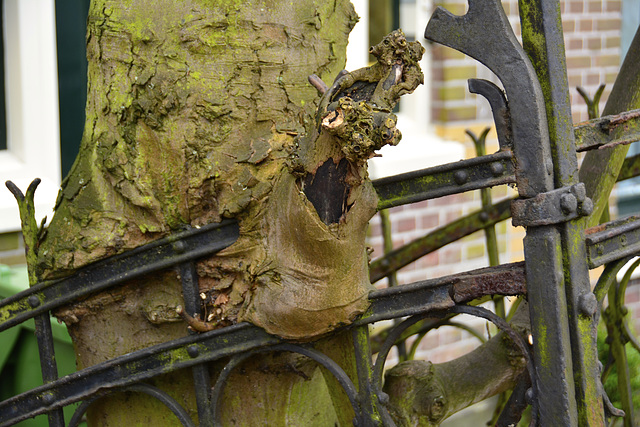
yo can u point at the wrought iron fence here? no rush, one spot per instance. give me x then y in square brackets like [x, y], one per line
[539, 159]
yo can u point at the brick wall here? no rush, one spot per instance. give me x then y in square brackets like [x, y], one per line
[592, 43]
[414, 221]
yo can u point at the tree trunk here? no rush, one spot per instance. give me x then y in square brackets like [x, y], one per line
[199, 111]
[194, 109]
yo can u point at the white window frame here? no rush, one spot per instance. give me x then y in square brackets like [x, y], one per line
[31, 82]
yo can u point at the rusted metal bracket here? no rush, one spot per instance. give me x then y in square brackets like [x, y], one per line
[444, 292]
[608, 131]
[553, 207]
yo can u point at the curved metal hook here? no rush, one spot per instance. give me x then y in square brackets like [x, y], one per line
[390, 341]
[486, 24]
[499, 108]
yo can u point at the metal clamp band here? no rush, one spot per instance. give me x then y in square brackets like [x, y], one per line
[553, 207]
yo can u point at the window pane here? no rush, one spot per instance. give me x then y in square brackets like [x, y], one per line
[71, 26]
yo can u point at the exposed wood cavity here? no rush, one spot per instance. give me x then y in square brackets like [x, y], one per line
[328, 191]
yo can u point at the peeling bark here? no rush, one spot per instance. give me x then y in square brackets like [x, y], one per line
[200, 112]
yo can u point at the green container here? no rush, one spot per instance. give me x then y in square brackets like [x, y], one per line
[19, 359]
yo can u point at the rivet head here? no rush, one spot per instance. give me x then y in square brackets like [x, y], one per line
[586, 207]
[460, 177]
[588, 304]
[580, 192]
[529, 396]
[193, 351]
[484, 217]
[33, 301]
[48, 399]
[383, 398]
[179, 247]
[497, 169]
[568, 204]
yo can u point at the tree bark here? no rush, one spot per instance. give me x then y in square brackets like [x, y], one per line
[199, 111]
[194, 109]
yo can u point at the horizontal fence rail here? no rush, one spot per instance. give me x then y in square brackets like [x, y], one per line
[496, 169]
[161, 254]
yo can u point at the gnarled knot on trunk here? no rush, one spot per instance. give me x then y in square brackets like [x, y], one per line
[308, 270]
[361, 129]
[395, 73]
[425, 401]
[314, 277]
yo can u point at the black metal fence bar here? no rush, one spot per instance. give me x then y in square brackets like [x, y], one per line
[544, 41]
[306, 350]
[613, 240]
[452, 178]
[158, 255]
[607, 131]
[48, 366]
[372, 399]
[630, 168]
[496, 169]
[180, 413]
[444, 292]
[201, 377]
